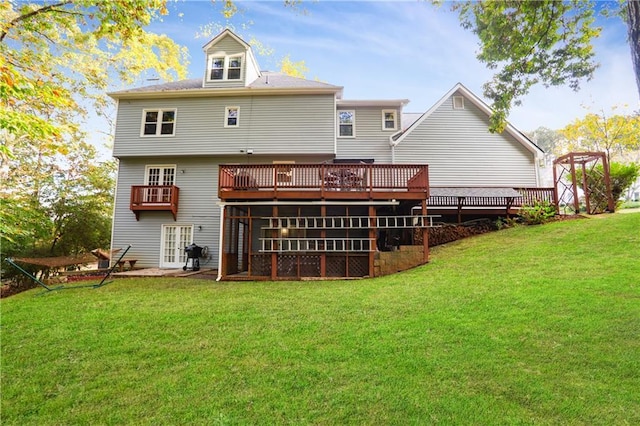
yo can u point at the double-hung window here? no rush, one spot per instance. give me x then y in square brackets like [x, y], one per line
[389, 120]
[158, 122]
[232, 116]
[217, 69]
[225, 68]
[346, 123]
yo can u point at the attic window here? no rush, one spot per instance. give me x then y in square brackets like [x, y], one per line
[458, 102]
[225, 68]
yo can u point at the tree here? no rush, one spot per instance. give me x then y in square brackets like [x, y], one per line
[294, 69]
[54, 204]
[58, 57]
[531, 42]
[616, 135]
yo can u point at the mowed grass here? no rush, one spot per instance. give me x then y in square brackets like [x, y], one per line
[529, 325]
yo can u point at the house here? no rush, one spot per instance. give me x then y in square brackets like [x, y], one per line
[280, 177]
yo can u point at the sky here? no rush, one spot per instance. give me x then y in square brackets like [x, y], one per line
[400, 50]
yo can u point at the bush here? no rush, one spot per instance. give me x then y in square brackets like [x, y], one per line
[537, 213]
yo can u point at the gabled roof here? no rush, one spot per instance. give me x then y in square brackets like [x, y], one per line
[226, 33]
[267, 83]
[482, 106]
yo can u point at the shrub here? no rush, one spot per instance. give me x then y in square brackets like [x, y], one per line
[537, 213]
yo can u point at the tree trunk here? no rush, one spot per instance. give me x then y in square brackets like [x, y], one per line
[633, 21]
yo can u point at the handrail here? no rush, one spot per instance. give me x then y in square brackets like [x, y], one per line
[154, 197]
[325, 177]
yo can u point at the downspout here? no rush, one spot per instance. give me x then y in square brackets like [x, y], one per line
[222, 205]
[392, 143]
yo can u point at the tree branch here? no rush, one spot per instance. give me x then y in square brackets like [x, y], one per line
[42, 10]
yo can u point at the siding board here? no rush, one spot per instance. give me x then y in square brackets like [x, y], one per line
[302, 124]
[370, 141]
[460, 150]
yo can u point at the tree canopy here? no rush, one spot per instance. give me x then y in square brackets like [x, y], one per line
[58, 57]
[545, 41]
[616, 135]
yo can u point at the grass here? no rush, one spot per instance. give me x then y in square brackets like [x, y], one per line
[529, 325]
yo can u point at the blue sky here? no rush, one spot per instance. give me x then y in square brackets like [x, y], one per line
[398, 50]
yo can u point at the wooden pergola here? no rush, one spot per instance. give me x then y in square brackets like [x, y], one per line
[598, 198]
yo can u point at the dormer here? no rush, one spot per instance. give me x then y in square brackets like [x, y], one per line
[230, 62]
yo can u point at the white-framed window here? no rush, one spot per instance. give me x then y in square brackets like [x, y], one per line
[458, 102]
[389, 119]
[225, 67]
[161, 175]
[216, 69]
[231, 116]
[158, 122]
[347, 124]
[234, 70]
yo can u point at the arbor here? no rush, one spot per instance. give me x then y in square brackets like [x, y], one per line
[531, 42]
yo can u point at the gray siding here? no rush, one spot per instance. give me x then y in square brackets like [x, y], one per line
[460, 150]
[197, 206]
[370, 141]
[225, 47]
[300, 124]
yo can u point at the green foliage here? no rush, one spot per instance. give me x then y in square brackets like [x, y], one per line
[530, 42]
[54, 204]
[616, 135]
[57, 59]
[529, 325]
[622, 176]
[537, 213]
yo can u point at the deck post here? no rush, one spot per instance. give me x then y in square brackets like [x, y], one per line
[323, 235]
[372, 237]
[425, 234]
[274, 255]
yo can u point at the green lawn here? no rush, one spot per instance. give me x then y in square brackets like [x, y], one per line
[529, 325]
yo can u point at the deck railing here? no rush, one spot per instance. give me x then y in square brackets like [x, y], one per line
[532, 196]
[527, 196]
[154, 198]
[324, 177]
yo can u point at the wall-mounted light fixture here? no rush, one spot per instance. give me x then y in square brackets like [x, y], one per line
[199, 227]
[182, 171]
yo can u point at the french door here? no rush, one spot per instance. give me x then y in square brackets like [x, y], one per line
[162, 176]
[174, 239]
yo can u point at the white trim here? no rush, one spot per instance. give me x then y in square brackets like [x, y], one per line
[159, 166]
[159, 122]
[395, 120]
[226, 116]
[226, 59]
[475, 100]
[161, 263]
[458, 102]
[393, 202]
[353, 123]
[384, 103]
[224, 91]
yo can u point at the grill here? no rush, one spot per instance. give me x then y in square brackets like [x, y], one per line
[194, 253]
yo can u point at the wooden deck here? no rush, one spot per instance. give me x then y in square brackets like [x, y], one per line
[323, 182]
[154, 198]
